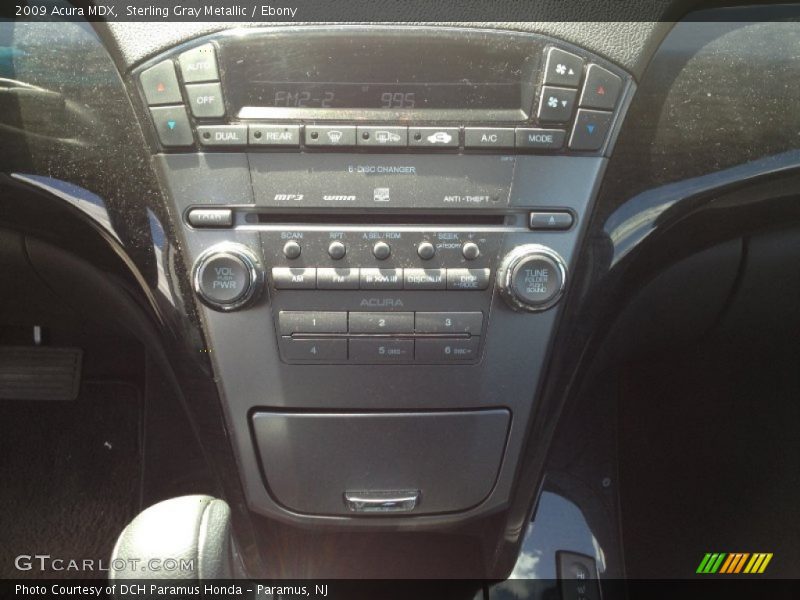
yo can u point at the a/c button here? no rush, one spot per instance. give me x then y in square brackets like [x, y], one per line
[488, 137]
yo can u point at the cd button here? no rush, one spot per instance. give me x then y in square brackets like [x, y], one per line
[425, 279]
[330, 135]
[337, 279]
[381, 279]
[205, 100]
[381, 322]
[285, 278]
[488, 137]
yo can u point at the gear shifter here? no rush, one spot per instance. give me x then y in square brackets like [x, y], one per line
[187, 538]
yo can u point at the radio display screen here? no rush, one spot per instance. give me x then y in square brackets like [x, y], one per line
[359, 73]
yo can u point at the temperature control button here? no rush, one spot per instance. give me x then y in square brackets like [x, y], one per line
[160, 84]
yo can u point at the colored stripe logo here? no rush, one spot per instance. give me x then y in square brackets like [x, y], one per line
[734, 563]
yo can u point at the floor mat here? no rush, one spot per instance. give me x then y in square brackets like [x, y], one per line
[69, 477]
[710, 458]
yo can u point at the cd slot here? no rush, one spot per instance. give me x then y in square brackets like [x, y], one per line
[372, 219]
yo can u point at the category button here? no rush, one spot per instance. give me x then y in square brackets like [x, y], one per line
[199, 64]
[205, 99]
[381, 279]
[286, 278]
[310, 350]
[274, 135]
[540, 139]
[210, 217]
[368, 351]
[449, 322]
[556, 104]
[488, 137]
[337, 279]
[467, 279]
[293, 321]
[425, 279]
[222, 135]
[160, 84]
[444, 350]
[381, 322]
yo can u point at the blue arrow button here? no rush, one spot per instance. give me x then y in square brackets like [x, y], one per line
[171, 123]
[590, 129]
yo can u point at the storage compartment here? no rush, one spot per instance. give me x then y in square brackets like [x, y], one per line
[312, 461]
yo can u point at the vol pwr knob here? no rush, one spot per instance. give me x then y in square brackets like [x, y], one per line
[227, 276]
[532, 277]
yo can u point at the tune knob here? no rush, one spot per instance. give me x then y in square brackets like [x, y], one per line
[532, 277]
[227, 276]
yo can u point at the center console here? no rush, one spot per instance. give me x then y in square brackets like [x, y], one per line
[379, 224]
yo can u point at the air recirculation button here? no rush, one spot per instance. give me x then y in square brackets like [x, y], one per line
[227, 276]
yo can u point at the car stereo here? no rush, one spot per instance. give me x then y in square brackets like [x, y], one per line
[379, 224]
